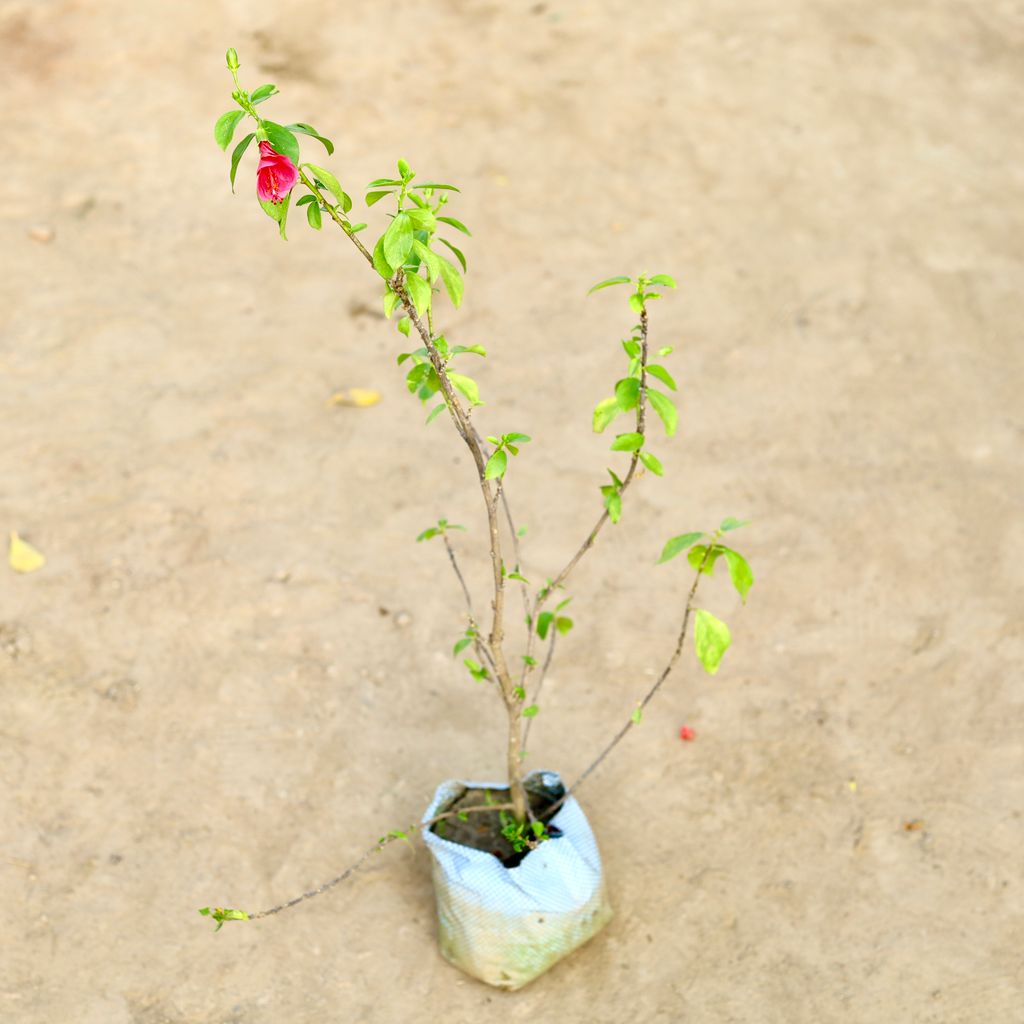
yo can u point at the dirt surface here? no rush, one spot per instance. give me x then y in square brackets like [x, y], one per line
[234, 671]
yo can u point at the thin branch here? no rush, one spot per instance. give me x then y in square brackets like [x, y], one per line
[514, 535]
[666, 672]
[540, 682]
[379, 845]
[479, 645]
[458, 573]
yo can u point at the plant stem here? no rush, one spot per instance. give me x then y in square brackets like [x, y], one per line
[491, 495]
[666, 672]
[379, 845]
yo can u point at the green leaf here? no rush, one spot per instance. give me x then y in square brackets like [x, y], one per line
[435, 412]
[528, 660]
[608, 282]
[436, 184]
[678, 544]
[544, 621]
[496, 466]
[404, 326]
[663, 375]
[467, 386]
[664, 280]
[563, 624]
[457, 224]
[604, 412]
[282, 140]
[278, 212]
[632, 348]
[398, 240]
[308, 129]
[429, 534]
[419, 292]
[630, 442]
[431, 259]
[306, 199]
[458, 253]
[376, 197]
[637, 715]
[391, 300]
[380, 264]
[264, 92]
[236, 156]
[696, 558]
[563, 604]
[333, 186]
[224, 129]
[636, 303]
[665, 409]
[652, 463]
[461, 645]
[732, 523]
[476, 670]
[740, 573]
[627, 393]
[404, 170]
[477, 350]
[666, 350]
[383, 181]
[613, 502]
[422, 219]
[531, 711]
[314, 218]
[519, 691]
[517, 438]
[452, 281]
[518, 576]
[711, 639]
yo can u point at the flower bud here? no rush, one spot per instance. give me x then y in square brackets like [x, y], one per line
[232, 57]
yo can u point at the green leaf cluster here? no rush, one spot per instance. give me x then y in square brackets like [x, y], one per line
[506, 445]
[222, 914]
[406, 245]
[443, 526]
[562, 623]
[476, 670]
[711, 635]
[523, 835]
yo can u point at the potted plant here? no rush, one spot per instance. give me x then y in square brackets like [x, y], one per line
[517, 873]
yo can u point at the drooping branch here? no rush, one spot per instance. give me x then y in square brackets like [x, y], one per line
[376, 848]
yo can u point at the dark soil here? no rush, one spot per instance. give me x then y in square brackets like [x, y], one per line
[482, 831]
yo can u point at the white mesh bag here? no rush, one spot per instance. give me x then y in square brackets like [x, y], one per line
[506, 926]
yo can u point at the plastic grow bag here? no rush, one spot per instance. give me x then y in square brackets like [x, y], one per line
[506, 926]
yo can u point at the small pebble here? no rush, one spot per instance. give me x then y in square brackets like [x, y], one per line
[402, 619]
[41, 233]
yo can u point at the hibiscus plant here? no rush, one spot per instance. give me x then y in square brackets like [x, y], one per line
[413, 262]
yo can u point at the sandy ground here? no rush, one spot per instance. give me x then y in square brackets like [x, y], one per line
[234, 670]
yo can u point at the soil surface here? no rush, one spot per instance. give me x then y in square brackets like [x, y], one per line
[234, 671]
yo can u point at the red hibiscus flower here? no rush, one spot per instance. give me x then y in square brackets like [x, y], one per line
[276, 175]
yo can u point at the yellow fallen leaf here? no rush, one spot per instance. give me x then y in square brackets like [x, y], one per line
[23, 557]
[361, 398]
